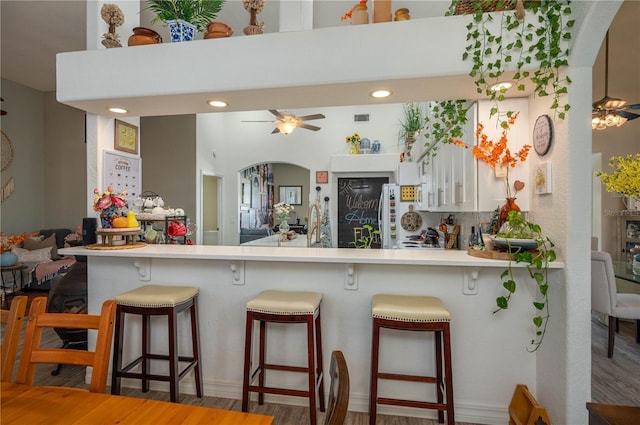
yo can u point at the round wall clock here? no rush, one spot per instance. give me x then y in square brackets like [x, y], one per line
[6, 155]
[542, 135]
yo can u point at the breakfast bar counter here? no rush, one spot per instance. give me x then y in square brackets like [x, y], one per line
[486, 347]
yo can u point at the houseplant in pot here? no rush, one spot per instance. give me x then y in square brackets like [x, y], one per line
[185, 17]
[411, 124]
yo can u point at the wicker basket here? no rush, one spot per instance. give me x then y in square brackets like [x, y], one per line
[464, 7]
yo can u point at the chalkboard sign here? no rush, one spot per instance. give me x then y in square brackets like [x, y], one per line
[358, 202]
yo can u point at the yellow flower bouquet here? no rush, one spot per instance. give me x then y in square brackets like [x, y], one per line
[625, 177]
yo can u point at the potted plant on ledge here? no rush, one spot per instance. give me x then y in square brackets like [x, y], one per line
[185, 17]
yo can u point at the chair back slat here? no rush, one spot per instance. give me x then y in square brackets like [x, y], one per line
[13, 319]
[338, 390]
[32, 354]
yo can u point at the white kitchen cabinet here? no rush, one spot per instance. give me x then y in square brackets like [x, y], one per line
[448, 179]
[491, 189]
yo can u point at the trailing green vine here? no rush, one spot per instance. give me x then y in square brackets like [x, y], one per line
[537, 265]
[541, 35]
[443, 122]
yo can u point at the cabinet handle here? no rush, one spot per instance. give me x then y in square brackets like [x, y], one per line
[439, 197]
[430, 199]
[457, 193]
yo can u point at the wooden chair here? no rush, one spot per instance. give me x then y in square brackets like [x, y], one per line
[606, 299]
[13, 319]
[33, 354]
[338, 390]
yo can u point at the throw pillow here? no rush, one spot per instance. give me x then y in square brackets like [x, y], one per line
[42, 255]
[32, 244]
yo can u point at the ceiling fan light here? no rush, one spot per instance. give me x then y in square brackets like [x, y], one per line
[621, 120]
[613, 103]
[286, 127]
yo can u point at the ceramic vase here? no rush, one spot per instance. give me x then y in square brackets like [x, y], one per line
[180, 30]
[142, 36]
[359, 15]
[8, 259]
[510, 205]
[107, 216]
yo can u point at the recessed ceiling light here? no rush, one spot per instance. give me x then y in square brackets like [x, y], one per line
[217, 103]
[118, 110]
[380, 93]
[501, 86]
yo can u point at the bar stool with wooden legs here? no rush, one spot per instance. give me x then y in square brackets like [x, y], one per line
[413, 313]
[157, 300]
[284, 307]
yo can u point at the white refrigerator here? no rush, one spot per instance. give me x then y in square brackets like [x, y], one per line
[401, 225]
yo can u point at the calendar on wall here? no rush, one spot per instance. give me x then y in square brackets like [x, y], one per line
[123, 173]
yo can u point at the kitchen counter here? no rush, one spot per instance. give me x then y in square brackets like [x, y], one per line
[301, 254]
[299, 241]
[484, 345]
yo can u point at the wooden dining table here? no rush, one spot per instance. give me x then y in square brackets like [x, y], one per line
[25, 404]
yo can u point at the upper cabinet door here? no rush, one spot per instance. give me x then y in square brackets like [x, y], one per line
[463, 168]
[491, 189]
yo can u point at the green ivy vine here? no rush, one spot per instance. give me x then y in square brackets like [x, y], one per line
[443, 122]
[541, 35]
[537, 262]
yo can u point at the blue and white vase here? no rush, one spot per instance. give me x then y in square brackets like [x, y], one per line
[8, 259]
[180, 30]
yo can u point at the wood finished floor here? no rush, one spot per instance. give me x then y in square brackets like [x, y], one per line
[614, 381]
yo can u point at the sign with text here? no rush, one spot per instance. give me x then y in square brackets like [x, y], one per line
[358, 203]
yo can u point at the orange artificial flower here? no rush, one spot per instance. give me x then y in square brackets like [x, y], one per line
[350, 12]
[498, 153]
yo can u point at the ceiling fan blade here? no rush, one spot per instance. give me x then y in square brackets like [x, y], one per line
[628, 115]
[259, 121]
[308, 126]
[275, 130]
[636, 106]
[311, 117]
[276, 113]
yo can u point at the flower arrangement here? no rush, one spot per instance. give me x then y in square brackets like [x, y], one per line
[355, 142]
[625, 177]
[8, 242]
[497, 154]
[350, 11]
[281, 211]
[114, 17]
[107, 204]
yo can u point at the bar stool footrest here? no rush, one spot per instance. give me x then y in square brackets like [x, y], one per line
[279, 391]
[412, 403]
[412, 378]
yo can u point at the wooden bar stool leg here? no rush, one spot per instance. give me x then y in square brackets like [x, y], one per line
[195, 342]
[319, 368]
[439, 381]
[117, 351]
[146, 346]
[373, 397]
[311, 354]
[247, 362]
[173, 355]
[262, 359]
[448, 371]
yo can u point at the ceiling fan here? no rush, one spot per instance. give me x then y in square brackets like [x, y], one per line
[610, 111]
[286, 122]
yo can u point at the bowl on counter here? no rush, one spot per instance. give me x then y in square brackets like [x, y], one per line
[514, 244]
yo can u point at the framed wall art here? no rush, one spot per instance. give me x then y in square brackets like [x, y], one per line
[291, 195]
[126, 137]
[322, 177]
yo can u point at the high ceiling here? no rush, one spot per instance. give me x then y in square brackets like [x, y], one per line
[32, 32]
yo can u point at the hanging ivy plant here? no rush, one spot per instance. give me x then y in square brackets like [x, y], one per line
[542, 36]
[443, 122]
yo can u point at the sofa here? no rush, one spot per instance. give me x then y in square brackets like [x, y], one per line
[40, 255]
